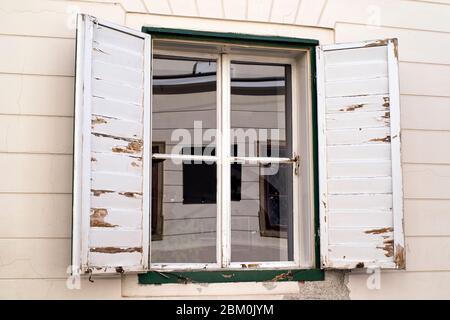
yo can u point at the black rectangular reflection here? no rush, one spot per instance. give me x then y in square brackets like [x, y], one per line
[200, 178]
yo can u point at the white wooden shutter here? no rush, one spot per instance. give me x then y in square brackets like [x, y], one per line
[111, 148]
[361, 211]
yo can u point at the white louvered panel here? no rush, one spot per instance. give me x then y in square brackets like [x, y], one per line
[369, 119]
[359, 202]
[356, 136]
[358, 168]
[357, 216]
[115, 56]
[114, 237]
[356, 71]
[116, 181]
[357, 103]
[116, 110]
[113, 199]
[120, 40]
[110, 162]
[359, 152]
[360, 235]
[356, 55]
[117, 74]
[111, 90]
[115, 259]
[368, 254]
[360, 219]
[116, 127]
[102, 143]
[116, 217]
[357, 87]
[359, 185]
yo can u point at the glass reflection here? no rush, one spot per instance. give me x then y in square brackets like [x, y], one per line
[261, 223]
[184, 99]
[184, 217]
[261, 109]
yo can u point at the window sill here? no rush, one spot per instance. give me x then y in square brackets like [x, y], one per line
[155, 277]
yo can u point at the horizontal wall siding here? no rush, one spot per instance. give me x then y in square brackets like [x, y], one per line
[41, 95]
[34, 258]
[427, 217]
[425, 146]
[425, 112]
[26, 215]
[403, 14]
[436, 43]
[51, 288]
[51, 18]
[37, 55]
[36, 134]
[35, 173]
[402, 285]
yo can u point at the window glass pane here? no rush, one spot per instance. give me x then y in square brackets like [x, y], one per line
[261, 222]
[184, 98]
[184, 231]
[261, 109]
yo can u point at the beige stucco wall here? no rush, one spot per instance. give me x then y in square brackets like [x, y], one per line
[36, 109]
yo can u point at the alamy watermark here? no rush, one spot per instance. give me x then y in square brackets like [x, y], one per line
[251, 144]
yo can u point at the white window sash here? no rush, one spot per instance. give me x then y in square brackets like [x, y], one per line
[224, 160]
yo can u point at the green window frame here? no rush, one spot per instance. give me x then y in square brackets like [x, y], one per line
[223, 276]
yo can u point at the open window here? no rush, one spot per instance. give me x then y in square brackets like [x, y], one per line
[238, 146]
[232, 123]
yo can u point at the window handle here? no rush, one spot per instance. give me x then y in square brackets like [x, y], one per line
[296, 161]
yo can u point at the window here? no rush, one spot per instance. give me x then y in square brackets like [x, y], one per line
[205, 151]
[230, 131]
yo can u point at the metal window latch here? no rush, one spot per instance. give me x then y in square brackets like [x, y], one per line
[296, 161]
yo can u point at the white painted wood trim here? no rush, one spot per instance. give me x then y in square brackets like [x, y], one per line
[185, 266]
[397, 186]
[77, 152]
[322, 165]
[260, 59]
[354, 45]
[263, 160]
[117, 27]
[240, 265]
[86, 138]
[147, 158]
[183, 157]
[296, 196]
[219, 137]
[308, 260]
[243, 46]
[225, 163]
[186, 54]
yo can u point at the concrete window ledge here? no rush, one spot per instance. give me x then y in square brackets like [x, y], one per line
[333, 287]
